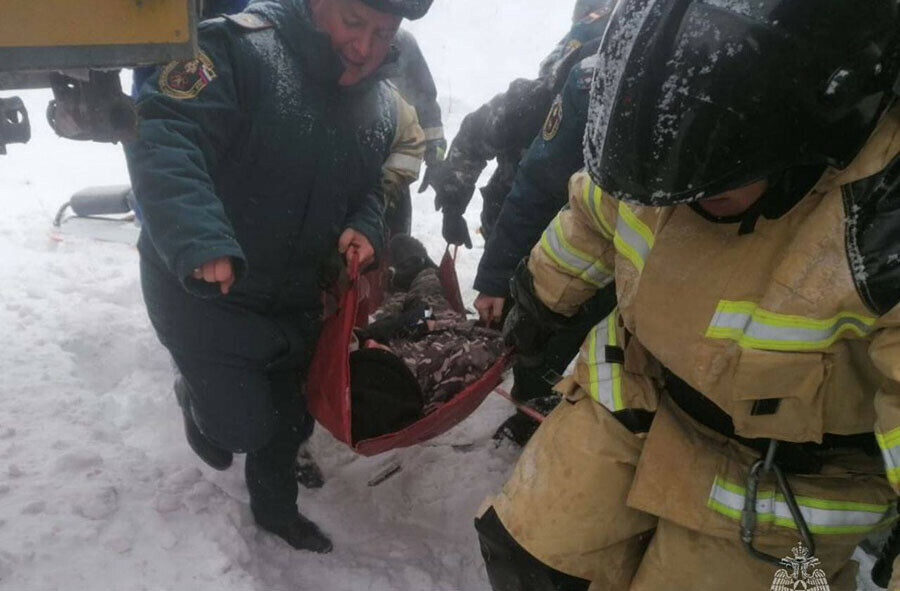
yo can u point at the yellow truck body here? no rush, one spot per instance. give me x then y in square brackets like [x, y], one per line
[42, 35]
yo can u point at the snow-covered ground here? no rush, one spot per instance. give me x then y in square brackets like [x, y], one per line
[99, 491]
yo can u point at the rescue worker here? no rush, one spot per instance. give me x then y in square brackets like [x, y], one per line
[257, 163]
[504, 127]
[742, 186]
[414, 81]
[538, 192]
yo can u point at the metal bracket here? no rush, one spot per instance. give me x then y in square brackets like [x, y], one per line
[94, 108]
[14, 125]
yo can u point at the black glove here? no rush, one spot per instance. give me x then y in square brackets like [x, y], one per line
[434, 159]
[411, 322]
[429, 179]
[530, 323]
[524, 333]
[455, 230]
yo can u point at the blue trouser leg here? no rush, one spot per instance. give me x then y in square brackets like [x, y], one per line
[243, 375]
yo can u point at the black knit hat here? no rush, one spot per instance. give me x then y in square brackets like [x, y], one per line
[410, 9]
[407, 259]
[385, 395]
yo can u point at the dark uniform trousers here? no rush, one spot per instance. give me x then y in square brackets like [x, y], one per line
[241, 375]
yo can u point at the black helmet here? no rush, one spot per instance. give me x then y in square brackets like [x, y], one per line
[695, 97]
[410, 9]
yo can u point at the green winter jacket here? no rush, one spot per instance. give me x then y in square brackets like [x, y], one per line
[253, 151]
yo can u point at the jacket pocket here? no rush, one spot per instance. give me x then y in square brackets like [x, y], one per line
[779, 395]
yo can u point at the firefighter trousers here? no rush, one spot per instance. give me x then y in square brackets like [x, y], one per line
[591, 501]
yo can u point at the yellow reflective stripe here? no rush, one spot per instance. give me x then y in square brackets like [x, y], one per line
[629, 253]
[592, 365]
[889, 439]
[612, 321]
[636, 224]
[592, 196]
[753, 327]
[890, 452]
[633, 238]
[893, 476]
[606, 378]
[822, 516]
[578, 263]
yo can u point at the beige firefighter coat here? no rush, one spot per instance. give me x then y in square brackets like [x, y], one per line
[771, 314]
[404, 163]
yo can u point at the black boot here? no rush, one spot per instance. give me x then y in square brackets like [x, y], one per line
[300, 533]
[518, 428]
[309, 475]
[214, 456]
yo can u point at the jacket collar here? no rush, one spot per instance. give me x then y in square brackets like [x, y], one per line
[882, 147]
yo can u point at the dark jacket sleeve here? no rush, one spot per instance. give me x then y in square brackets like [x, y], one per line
[539, 191]
[507, 123]
[181, 142]
[368, 219]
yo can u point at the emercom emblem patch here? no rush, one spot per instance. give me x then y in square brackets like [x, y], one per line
[186, 79]
[554, 120]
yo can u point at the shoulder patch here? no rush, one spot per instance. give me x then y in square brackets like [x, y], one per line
[872, 211]
[187, 79]
[554, 119]
[249, 20]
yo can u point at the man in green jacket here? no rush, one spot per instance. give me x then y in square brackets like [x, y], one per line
[257, 163]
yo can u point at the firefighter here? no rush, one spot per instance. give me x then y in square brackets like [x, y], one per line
[504, 127]
[414, 81]
[258, 163]
[742, 189]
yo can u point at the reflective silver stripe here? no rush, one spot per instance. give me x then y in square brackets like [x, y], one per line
[630, 243]
[601, 372]
[404, 163]
[752, 326]
[434, 133]
[890, 451]
[589, 271]
[606, 377]
[822, 516]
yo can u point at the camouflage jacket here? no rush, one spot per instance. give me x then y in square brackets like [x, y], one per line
[446, 357]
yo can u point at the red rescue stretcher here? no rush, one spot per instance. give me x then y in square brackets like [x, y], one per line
[328, 384]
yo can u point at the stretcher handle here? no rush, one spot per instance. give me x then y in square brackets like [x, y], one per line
[353, 268]
[524, 408]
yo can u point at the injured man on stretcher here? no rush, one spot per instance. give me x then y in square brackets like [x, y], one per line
[418, 352]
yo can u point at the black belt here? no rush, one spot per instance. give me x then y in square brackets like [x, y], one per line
[796, 458]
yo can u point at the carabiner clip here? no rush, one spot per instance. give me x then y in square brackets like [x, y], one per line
[749, 514]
